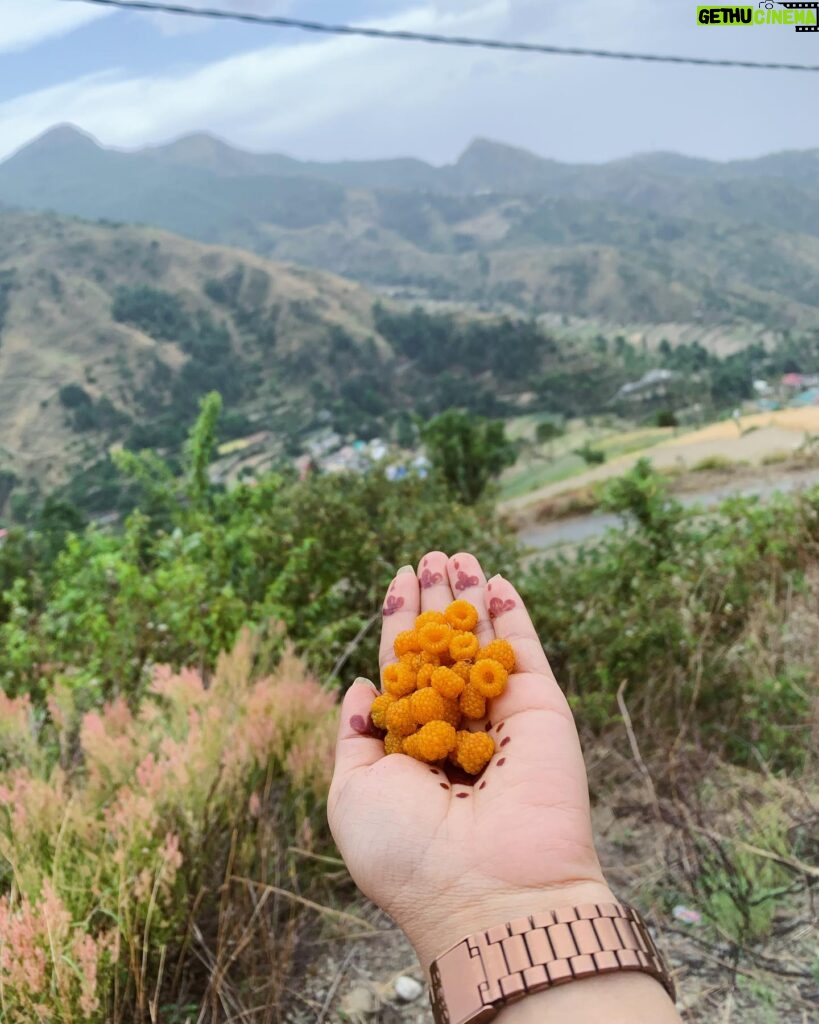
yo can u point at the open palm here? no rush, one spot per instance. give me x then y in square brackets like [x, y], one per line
[445, 858]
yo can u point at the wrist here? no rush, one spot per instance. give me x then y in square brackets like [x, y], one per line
[443, 925]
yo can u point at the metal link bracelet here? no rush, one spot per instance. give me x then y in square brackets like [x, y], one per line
[477, 977]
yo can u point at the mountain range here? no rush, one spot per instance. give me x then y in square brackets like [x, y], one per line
[651, 239]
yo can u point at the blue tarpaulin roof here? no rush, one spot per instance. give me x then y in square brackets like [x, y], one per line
[809, 397]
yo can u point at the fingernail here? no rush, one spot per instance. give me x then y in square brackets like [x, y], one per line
[405, 568]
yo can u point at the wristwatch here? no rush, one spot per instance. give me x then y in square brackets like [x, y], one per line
[476, 978]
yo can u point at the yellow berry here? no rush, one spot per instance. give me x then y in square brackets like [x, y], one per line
[413, 661]
[398, 679]
[379, 709]
[473, 751]
[393, 744]
[488, 677]
[435, 637]
[427, 705]
[411, 747]
[463, 646]
[452, 712]
[426, 617]
[461, 615]
[430, 658]
[424, 677]
[435, 741]
[462, 668]
[447, 682]
[406, 643]
[400, 719]
[472, 702]
[499, 650]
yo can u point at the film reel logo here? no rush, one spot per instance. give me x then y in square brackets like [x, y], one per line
[814, 6]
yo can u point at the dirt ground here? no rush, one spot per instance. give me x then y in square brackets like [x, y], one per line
[757, 438]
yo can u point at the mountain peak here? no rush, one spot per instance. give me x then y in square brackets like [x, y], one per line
[199, 142]
[482, 149]
[61, 137]
[206, 152]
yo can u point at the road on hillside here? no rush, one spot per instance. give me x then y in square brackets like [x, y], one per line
[578, 529]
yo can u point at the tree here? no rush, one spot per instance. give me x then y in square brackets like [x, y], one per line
[468, 452]
[547, 430]
[200, 446]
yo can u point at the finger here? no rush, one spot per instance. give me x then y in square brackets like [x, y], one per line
[356, 748]
[532, 686]
[433, 579]
[511, 622]
[468, 582]
[401, 608]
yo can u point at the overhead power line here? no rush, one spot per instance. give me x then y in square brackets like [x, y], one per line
[440, 40]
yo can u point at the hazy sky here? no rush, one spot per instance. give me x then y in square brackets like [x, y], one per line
[132, 79]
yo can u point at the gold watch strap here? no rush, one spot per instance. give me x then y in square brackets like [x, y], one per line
[472, 981]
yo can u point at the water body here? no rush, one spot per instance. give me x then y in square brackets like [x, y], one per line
[579, 529]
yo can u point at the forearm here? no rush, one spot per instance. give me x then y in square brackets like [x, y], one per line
[626, 998]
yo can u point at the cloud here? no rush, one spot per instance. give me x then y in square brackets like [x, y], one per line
[262, 97]
[25, 23]
[323, 97]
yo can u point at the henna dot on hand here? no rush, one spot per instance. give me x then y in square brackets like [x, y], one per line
[500, 727]
[444, 786]
[501, 762]
[462, 796]
[508, 739]
[482, 785]
[435, 771]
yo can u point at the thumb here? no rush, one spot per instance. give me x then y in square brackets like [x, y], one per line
[357, 746]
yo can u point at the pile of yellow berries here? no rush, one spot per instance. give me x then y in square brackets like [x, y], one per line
[442, 680]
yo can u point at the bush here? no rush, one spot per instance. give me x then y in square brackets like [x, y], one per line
[590, 455]
[688, 611]
[158, 313]
[73, 396]
[715, 463]
[666, 418]
[196, 563]
[136, 842]
[547, 430]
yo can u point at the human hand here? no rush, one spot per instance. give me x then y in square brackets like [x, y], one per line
[443, 858]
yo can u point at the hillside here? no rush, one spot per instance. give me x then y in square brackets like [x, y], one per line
[58, 332]
[654, 239]
[111, 334]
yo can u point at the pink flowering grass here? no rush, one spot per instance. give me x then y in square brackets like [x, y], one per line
[135, 843]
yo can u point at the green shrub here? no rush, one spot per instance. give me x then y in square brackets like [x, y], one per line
[591, 456]
[158, 313]
[73, 396]
[687, 611]
[666, 418]
[718, 463]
